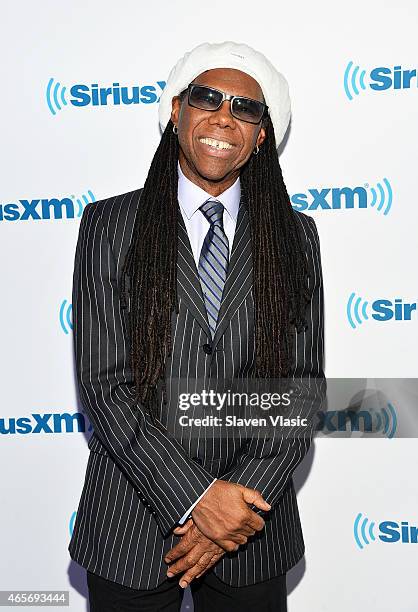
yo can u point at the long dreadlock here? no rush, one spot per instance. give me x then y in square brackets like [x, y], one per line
[280, 270]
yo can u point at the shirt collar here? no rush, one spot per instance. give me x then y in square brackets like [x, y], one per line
[191, 196]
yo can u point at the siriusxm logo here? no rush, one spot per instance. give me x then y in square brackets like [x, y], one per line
[390, 532]
[65, 316]
[50, 423]
[58, 96]
[380, 78]
[378, 197]
[46, 208]
[360, 310]
[383, 420]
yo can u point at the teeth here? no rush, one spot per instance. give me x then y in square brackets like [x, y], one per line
[217, 144]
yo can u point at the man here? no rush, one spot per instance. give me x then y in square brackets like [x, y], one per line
[206, 272]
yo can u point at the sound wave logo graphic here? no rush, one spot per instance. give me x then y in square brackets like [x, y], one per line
[357, 310]
[363, 531]
[381, 198]
[353, 80]
[65, 317]
[83, 200]
[386, 420]
[55, 96]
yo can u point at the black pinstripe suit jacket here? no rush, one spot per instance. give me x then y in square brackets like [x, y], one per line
[140, 481]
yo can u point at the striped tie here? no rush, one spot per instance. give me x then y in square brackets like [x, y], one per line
[213, 261]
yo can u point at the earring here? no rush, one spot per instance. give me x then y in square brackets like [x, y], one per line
[256, 150]
[175, 129]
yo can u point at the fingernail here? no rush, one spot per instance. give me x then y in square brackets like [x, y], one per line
[170, 574]
[183, 584]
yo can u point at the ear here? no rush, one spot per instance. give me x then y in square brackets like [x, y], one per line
[261, 137]
[175, 109]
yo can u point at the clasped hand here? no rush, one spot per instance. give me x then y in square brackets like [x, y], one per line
[221, 522]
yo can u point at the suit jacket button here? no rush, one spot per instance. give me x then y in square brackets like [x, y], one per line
[207, 348]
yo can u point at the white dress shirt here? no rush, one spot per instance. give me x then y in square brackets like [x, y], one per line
[190, 197]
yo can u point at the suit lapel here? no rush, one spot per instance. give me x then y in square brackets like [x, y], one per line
[238, 280]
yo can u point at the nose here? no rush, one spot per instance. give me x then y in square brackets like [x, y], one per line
[223, 116]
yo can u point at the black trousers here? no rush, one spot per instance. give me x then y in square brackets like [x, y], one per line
[209, 594]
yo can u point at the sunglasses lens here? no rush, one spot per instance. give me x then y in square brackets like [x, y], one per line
[205, 98]
[210, 99]
[247, 109]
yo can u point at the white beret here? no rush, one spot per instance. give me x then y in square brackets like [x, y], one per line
[230, 55]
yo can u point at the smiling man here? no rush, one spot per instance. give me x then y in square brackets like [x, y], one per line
[215, 146]
[206, 272]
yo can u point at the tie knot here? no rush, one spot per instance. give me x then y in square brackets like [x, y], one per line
[213, 211]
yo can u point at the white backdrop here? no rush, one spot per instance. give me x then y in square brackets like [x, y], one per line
[354, 126]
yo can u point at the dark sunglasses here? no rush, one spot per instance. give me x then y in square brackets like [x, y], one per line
[210, 99]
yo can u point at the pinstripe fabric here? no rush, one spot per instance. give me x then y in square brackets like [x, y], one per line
[138, 481]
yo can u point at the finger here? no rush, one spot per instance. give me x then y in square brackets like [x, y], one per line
[234, 537]
[242, 540]
[214, 560]
[246, 530]
[182, 548]
[252, 496]
[188, 561]
[237, 540]
[229, 545]
[181, 529]
[199, 569]
[255, 521]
